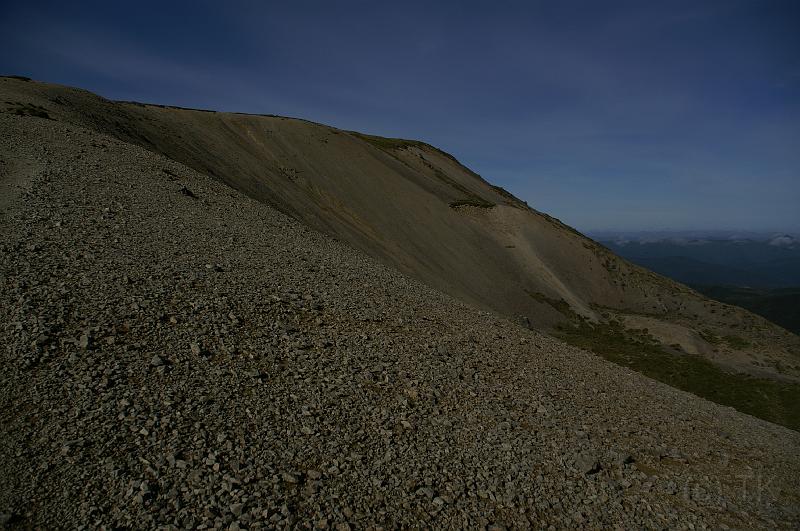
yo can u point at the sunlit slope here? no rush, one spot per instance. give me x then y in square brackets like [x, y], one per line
[419, 210]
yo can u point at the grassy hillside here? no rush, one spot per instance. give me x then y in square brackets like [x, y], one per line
[776, 401]
[780, 305]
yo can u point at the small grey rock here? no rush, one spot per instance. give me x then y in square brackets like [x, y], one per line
[289, 478]
[83, 342]
[587, 463]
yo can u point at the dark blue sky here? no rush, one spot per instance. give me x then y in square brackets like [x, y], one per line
[607, 115]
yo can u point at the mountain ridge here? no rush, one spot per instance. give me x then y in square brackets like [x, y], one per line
[415, 208]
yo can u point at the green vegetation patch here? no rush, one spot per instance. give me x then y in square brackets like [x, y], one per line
[28, 109]
[387, 144]
[770, 400]
[780, 305]
[737, 342]
[472, 199]
[710, 337]
[560, 305]
[475, 202]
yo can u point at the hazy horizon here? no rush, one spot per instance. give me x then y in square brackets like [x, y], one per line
[619, 116]
[713, 232]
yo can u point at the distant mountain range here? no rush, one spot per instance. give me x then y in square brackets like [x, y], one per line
[752, 260]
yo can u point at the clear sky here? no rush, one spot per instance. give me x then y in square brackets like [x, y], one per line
[605, 114]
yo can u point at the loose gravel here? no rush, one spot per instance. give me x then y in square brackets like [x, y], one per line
[176, 355]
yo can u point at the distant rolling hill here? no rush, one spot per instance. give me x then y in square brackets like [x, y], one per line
[695, 272]
[769, 262]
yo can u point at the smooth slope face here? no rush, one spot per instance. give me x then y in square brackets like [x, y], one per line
[417, 209]
[176, 354]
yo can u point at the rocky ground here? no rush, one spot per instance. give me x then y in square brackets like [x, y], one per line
[176, 355]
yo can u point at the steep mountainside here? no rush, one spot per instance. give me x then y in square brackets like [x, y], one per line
[417, 209]
[176, 355]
